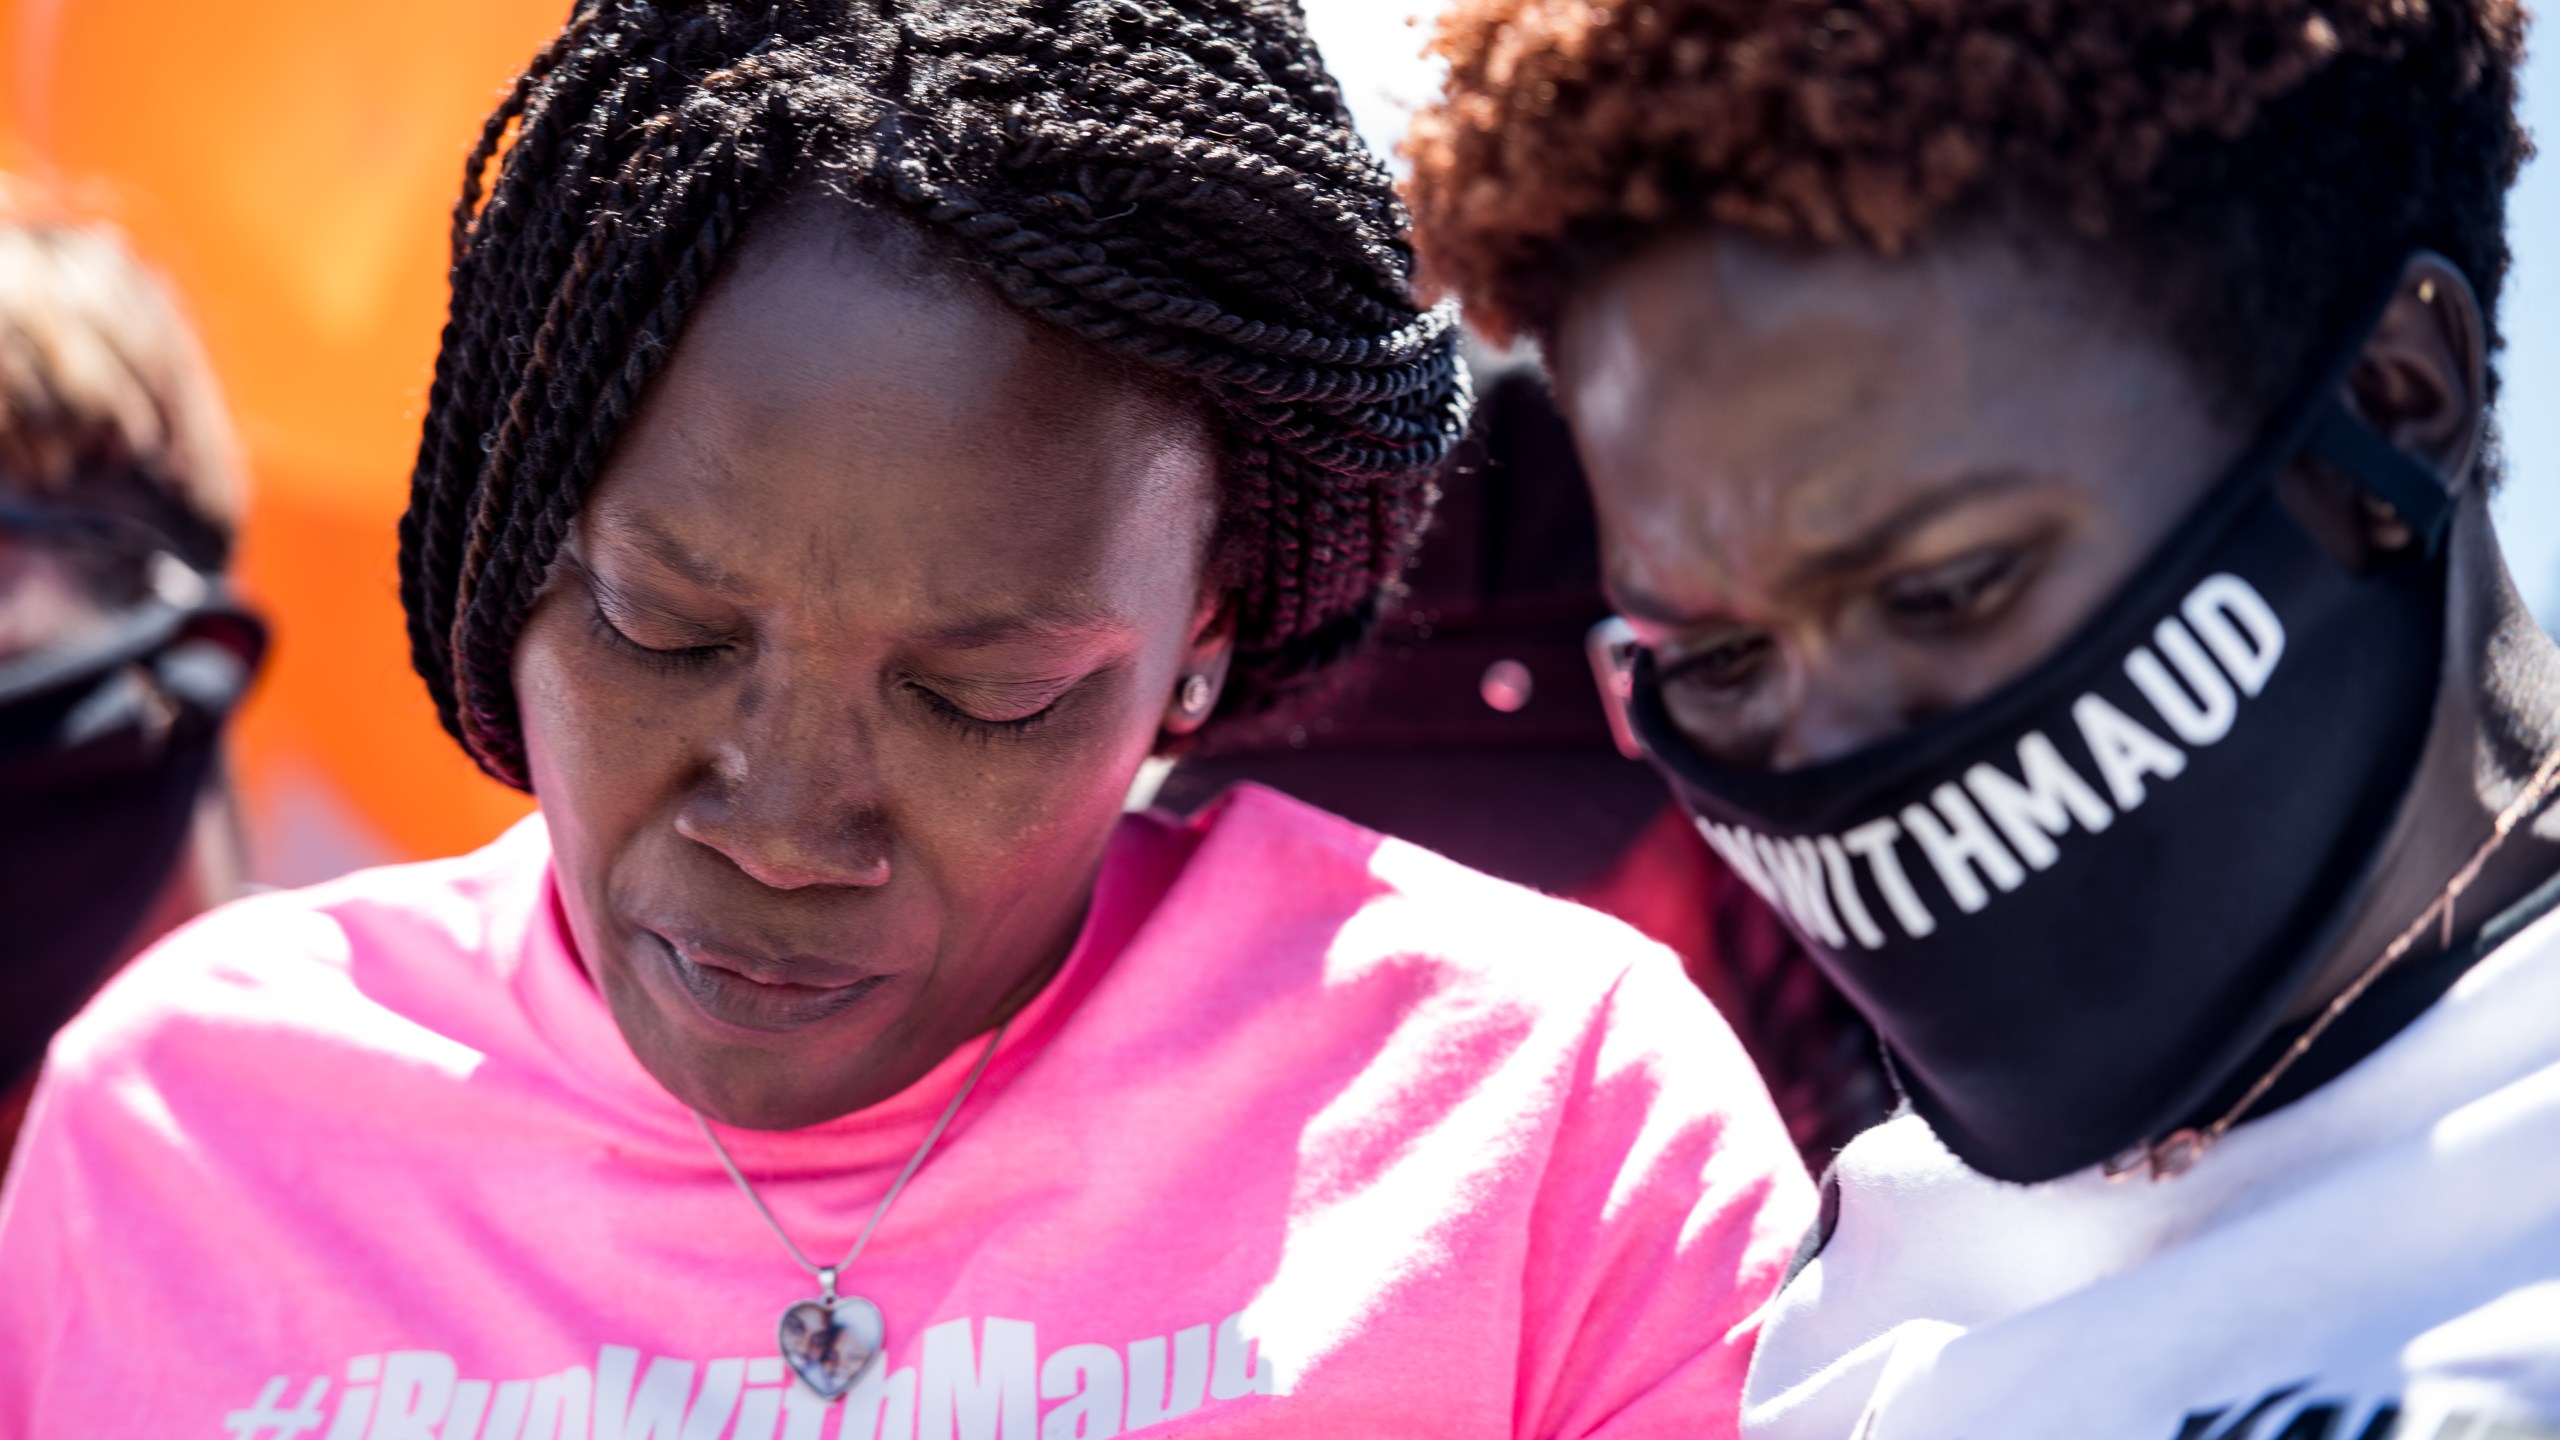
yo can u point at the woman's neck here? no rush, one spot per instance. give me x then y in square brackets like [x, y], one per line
[2497, 718]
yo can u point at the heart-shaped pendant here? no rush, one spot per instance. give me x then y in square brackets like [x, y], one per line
[829, 1343]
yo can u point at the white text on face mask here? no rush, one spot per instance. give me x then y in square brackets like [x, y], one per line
[1984, 833]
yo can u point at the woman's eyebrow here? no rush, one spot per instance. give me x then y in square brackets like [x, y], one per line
[662, 545]
[1871, 546]
[1856, 555]
[1054, 621]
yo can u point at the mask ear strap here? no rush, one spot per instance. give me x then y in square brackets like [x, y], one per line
[2386, 472]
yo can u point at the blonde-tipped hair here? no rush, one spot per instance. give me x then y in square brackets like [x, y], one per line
[102, 382]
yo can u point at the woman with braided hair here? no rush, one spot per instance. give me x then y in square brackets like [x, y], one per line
[2043, 448]
[866, 431]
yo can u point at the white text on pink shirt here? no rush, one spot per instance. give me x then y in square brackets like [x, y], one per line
[984, 1380]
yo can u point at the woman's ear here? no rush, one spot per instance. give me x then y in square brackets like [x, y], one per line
[2422, 381]
[1203, 676]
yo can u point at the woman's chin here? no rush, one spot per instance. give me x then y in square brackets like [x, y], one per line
[763, 1092]
[754, 1077]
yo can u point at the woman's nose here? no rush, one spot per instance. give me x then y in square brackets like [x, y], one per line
[790, 847]
[793, 801]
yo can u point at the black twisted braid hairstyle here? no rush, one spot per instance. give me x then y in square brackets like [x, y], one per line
[1175, 181]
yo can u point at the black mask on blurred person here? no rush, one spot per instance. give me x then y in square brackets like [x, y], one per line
[105, 747]
[2074, 908]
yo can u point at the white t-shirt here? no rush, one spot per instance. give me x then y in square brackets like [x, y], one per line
[2378, 1261]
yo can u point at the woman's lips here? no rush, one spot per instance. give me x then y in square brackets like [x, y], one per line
[751, 995]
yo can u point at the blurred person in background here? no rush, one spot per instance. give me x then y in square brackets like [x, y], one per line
[1474, 727]
[2043, 452]
[863, 436]
[121, 655]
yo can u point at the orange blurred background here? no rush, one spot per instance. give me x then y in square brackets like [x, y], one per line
[290, 166]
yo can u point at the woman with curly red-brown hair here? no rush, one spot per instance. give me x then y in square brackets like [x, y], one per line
[2043, 449]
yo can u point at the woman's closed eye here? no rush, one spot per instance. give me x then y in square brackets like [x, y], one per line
[993, 707]
[1959, 594]
[650, 633]
[1728, 663]
[664, 657]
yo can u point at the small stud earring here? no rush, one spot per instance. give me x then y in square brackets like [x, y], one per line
[1196, 694]
[2426, 292]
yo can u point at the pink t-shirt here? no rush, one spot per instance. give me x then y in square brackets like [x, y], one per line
[1314, 1134]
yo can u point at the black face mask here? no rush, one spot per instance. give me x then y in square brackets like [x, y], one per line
[105, 748]
[2072, 909]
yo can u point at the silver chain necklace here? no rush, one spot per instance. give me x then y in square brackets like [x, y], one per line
[828, 1342]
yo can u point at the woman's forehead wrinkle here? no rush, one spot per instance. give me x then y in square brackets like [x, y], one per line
[1677, 564]
[822, 559]
[1756, 475]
